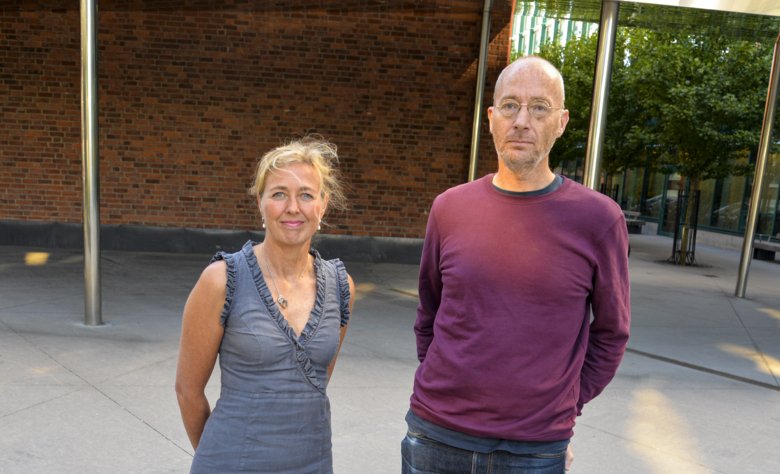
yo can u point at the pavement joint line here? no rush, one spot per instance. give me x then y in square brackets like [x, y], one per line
[96, 389]
[379, 355]
[710, 469]
[144, 367]
[37, 301]
[42, 402]
[405, 292]
[706, 370]
[756, 347]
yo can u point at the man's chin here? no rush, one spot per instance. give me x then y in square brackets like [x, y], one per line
[519, 162]
[516, 157]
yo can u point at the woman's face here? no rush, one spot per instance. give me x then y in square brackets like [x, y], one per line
[292, 204]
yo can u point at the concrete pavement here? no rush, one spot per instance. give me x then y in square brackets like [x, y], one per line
[698, 391]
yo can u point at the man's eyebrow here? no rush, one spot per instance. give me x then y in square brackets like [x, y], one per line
[532, 99]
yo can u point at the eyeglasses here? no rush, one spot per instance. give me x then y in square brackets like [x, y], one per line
[538, 109]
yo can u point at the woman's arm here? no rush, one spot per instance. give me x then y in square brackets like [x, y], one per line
[201, 334]
[344, 327]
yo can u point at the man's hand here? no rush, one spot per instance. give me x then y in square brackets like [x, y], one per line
[569, 457]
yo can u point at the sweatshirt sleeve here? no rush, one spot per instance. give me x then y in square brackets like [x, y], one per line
[429, 288]
[611, 307]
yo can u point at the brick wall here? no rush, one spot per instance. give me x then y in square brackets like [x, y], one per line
[191, 93]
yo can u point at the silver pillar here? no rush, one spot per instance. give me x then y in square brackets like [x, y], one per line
[758, 176]
[481, 73]
[89, 162]
[598, 112]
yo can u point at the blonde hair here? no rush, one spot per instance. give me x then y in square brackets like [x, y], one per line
[311, 150]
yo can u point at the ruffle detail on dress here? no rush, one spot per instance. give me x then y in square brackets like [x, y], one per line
[344, 293]
[301, 355]
[316, 313]
[230, 289]
[304, 363]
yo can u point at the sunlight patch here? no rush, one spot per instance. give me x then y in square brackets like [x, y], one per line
[34, 259]
[661, 436]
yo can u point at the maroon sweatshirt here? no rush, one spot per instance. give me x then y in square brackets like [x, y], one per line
[524, 309]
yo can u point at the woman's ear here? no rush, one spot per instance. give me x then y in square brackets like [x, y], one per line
[324, 206]
[260, 209]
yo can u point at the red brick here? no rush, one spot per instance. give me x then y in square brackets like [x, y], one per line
[189, 97]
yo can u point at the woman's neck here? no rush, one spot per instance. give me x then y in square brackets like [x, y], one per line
[287, 262]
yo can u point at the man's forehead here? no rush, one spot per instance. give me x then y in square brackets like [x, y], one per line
[526, 90]
[530, 83]
[531, 65]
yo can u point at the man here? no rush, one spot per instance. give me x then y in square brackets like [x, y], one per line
[524, 299]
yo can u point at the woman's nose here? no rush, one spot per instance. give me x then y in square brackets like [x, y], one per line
[292, 205]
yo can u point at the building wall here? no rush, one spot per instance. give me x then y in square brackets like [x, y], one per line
[192, 93]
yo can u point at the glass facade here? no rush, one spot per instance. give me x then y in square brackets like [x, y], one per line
[532, 27]
[649, 178]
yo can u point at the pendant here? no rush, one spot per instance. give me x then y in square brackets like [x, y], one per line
[282, 302]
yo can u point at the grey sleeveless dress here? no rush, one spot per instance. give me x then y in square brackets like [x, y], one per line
[273, 414]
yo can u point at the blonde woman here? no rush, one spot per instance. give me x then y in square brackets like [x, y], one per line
[276, 314]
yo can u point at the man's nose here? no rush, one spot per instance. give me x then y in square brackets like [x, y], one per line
[523, 117]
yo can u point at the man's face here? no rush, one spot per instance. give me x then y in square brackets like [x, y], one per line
[523, 140]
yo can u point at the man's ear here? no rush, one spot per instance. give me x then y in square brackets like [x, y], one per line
[564, 121]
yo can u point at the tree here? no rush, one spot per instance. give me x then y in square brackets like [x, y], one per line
[691, 102]
[704, 93]
[576, 61]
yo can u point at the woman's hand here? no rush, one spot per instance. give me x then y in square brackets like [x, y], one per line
[201, 334]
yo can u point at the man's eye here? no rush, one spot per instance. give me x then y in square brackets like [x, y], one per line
[509, 107]
[538, 108]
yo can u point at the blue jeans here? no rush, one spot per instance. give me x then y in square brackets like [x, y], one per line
[423, 455]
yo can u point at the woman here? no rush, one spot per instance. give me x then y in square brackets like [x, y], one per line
[276, 314]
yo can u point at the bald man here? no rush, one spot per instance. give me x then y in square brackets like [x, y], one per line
[524, 299]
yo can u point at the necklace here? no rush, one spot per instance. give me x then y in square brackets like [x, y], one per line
[280, 299]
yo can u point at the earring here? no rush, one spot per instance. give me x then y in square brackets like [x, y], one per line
[319, 227]
[263, 223]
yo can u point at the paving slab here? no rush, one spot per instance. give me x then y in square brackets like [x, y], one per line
[698, 390]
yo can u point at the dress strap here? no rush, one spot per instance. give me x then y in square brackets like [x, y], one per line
[230, 290]
[344, 294]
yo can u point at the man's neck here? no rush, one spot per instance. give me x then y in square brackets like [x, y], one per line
[509, 181]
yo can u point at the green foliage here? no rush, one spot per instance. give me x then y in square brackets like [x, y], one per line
[576, 62]
[685, 102]
[663, 18]
[703, 95]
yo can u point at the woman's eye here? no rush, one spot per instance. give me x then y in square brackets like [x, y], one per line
[277, 195]
[307, 197]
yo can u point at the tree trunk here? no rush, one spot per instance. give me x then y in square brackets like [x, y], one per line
[686, 233]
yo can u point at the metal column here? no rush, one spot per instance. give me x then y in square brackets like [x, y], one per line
[481, 73]
[89, 163]
[598, 113]
[758, 176]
